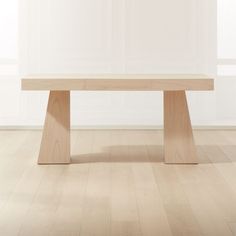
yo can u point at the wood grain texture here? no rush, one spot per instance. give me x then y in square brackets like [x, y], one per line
[122, 82]
[120, 187]
[178, 135]
[55, 145]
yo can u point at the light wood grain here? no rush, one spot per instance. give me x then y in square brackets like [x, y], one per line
[118, 82]
[55, 145]
[117, 185]
[148, 195]
[178, 135]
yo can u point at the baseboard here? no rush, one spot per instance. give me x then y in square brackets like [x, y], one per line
[118, 127]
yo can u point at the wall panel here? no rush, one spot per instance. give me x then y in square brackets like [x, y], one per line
[111, 36]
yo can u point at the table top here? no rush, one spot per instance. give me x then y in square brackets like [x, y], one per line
[117, 82]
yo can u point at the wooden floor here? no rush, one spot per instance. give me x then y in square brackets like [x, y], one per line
[117, 185]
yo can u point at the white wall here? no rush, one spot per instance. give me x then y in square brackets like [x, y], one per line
[113, 36]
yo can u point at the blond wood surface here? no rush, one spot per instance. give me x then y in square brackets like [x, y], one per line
[178, 136]
[55, 145]
[117, 184]
[118, 82]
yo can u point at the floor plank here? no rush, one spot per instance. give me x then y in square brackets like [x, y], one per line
[117, 184]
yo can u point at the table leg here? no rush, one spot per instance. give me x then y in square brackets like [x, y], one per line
[178, 136]
[55, 145]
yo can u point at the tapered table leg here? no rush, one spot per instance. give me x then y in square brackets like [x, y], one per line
[178, 136]
[55, 145]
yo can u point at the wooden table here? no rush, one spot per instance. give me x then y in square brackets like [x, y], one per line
[178, 135]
